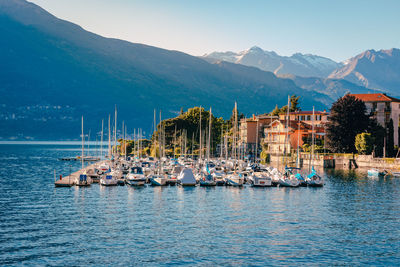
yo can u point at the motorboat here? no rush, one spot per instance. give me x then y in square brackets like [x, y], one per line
[109, 179]
[376, 173]
[234, 179]
[207, 180]
[135, 177]
[260, 179]
[83, 180]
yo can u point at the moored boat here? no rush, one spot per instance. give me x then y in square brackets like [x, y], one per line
[186, 178]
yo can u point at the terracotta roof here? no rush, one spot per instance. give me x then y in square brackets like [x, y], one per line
[307, 112]
[294, 124]
[375, 97]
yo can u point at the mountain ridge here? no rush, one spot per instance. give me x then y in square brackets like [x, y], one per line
[298, 64]
[55, 73]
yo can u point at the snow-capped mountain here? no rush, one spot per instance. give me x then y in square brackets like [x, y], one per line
[298, 64]
[373, 69]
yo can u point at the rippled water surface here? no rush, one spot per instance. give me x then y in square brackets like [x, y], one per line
[353, 220]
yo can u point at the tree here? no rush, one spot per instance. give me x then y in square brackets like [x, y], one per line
[294, 106]
[390, 139]
[378, 133]
[276, 111]
[347, 119]
[364, 143]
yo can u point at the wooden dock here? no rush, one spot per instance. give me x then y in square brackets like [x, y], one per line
[68, 181]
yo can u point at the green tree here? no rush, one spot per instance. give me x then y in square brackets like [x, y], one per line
[378, 133]
[276, 111]
[347, 119]
[294, 106]
[364, 143]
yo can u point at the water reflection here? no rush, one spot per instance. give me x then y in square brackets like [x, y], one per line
[352, 220]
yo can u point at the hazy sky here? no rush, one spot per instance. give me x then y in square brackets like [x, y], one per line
[338, 29]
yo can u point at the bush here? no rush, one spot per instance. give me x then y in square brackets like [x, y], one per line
[364, 143]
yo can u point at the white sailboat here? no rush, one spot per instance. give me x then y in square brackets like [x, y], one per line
[288, 179]
[206, 179]
[313, 179]
[83, 179]
[234, 179]
[158, 178]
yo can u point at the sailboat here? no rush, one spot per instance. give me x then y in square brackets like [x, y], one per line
[234, 179]
[83, 179]
[288, 179]
[313, 179]
[158, 179]
[206, 179]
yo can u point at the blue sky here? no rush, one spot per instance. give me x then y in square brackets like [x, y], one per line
[336, 29]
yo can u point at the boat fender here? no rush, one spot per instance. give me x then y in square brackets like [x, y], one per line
[60, 177]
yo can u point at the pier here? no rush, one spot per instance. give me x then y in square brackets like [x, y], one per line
[69, 180]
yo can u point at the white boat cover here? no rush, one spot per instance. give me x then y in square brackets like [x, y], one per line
[186, 177]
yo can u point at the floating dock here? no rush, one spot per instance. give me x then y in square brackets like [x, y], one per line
[68, 181]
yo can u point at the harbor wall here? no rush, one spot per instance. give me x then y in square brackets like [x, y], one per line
[339, 161]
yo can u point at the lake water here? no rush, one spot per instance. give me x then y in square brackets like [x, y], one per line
[353, 220]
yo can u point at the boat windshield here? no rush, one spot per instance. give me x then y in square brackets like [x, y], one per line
[137, 170]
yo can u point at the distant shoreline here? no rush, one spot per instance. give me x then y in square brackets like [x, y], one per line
[51, 143]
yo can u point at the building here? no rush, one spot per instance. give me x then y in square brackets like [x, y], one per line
[276, 135]
[248, 136]
[383, 108]
[300, 126]
[321, 117]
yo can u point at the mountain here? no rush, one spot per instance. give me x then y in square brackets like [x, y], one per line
[53, 72]
[331, 88]
[298, 64]
[373, 69]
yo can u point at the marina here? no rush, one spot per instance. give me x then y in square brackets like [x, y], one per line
[341, 223]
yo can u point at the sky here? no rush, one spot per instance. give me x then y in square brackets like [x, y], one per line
[338, 29]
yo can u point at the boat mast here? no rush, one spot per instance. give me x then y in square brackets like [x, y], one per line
[175, 142]
[221, 155]
[123, 137]
[159, 146]
[298, 145]
[115, 130]
[209, 137]
[200, 143]
[192, 144]
[184, 155]
[234, 133]
[287, 132]
[101, 142]
[125, 143]
[312, 141]
[83, 145]
[256, 154]
[109, 136]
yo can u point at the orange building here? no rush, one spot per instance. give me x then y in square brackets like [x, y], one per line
[248, 131]
[276, 134]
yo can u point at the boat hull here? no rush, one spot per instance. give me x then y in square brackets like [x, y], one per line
[135, 182]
